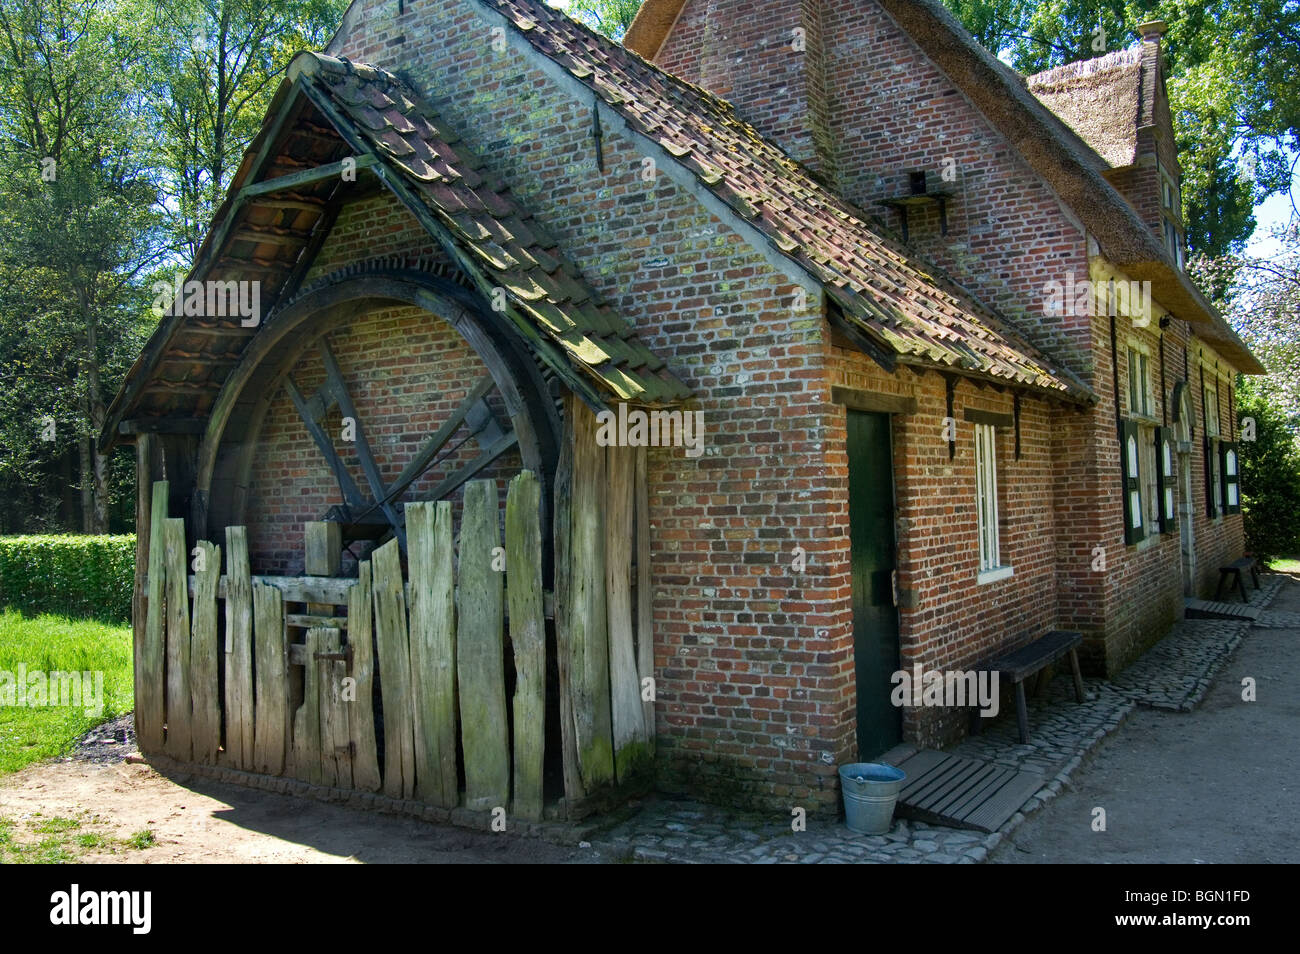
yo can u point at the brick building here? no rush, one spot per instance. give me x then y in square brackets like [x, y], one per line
[955, 386]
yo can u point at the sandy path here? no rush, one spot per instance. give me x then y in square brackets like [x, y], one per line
[204, 821]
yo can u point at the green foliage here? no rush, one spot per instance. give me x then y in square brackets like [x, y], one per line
[610, 17]
[83, 576]
[55, 643]
[1270, 479]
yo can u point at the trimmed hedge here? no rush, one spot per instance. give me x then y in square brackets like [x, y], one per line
[86, 576]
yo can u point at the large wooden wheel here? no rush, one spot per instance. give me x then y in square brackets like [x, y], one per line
[460, 447]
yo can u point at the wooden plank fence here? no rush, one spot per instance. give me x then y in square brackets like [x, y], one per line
[418, 664]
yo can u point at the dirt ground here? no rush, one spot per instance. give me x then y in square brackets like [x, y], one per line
[1216, 785]
[205, 821]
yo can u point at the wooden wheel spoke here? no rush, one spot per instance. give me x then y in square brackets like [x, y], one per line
[334, 378]
[311, 417]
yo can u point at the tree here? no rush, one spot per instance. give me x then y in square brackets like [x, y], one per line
[610, 17]
[208, 87]
[78, 227]
[1270, 479]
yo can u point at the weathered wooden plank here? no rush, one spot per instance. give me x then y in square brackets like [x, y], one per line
[306, 721]
[394, 672]
[645, 640]
[204, 675]
[630, 754]
[564, 651]
[179, 744]
[272, 733]
[588, 623]
[479, 650]
[361, 720]
[325, 643]
[528, 640]
[993, 813]
[150, 704]
[332, 591]
[239, 651]
[336, 744]
[433, 650]
[323, 547]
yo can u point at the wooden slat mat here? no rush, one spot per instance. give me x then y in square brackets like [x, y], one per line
[962, 793]
[1212, 609]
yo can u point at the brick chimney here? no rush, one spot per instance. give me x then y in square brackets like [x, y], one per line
[766, 58]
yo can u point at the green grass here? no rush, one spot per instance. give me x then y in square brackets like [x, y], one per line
[46, 644]
[1291, 565]
[64, 840]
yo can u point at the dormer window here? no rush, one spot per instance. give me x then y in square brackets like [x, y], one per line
[1171, 216]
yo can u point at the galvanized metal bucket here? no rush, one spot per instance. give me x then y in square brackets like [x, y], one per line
[870, 792]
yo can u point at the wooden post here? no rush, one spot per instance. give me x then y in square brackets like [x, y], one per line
[150, 699]
[323, 550]
[361, 720]
[239, 651]
[479, 649]
[271, 735]
[179, 698]
[645, 645]
[433, 650]
[394, 672]
[336, 745]
[528, 638]
[203, 655]
[588, 622]
[630, 753]
[564, 651]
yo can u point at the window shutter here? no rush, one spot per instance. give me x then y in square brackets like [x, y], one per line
[1165, 482]
[1131, 453]
[1229, 466]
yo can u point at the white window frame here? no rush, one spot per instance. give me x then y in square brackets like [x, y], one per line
[986, 506]
[1141, 397]
[1210, 397]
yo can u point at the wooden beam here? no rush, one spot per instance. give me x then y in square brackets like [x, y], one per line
[295, 179]
[267, 237]
[368, 466]
[874, 400]
[298, 205]
[347, 486]
[976, 416]
[162, 425]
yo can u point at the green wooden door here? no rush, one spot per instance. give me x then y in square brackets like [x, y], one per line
[875, 618]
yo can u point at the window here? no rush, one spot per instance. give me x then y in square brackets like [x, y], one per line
[1231, 479]
[1166, 513]
[1140, 400]
[1131, 449]
[1211, 411]
[986, 504]
[1171, 216]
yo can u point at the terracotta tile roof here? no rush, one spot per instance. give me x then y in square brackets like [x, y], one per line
[361, 112]
[496, 238]
[906, 307]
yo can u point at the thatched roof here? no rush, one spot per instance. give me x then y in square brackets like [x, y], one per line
[1100, 99]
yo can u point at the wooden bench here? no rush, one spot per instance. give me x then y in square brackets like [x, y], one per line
[1235, 569]
[1023, 663]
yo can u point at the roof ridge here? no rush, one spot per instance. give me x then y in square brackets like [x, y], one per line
[1130, 56]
